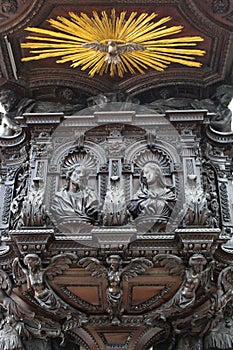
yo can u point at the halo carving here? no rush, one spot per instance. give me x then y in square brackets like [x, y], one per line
[86, 158]
[158, 156]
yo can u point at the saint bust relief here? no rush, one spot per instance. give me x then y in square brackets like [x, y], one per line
[154, 197]
[76, 200]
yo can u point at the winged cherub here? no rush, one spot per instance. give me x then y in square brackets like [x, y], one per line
[35, 275]
[115, 274]
[194, 276]
[224, 291]
[113, 50]
[220, 312]
[7, 301]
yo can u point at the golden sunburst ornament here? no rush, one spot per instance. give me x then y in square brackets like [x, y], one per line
[113, 44]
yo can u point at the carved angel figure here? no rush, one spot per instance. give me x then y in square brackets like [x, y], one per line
[194, 276]
[8, 126]
[221, 329]
[115, 274]
[113, 49]
[35, 275]
[15, 106]
[219, 105]
[6, 301]
[224, 288]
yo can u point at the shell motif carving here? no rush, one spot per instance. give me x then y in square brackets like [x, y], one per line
[157, 156]
[85, 159]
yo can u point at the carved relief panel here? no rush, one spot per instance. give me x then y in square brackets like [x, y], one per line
[113, 220]
[112, 178]
[115, 175]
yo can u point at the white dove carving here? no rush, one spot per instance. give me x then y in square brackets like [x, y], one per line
[113, 49]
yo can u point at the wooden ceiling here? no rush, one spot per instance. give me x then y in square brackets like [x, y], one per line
[45, 79]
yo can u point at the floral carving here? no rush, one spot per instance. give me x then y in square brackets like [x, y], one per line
[220, 6]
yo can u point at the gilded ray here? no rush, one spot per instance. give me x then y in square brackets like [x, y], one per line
[114, 45]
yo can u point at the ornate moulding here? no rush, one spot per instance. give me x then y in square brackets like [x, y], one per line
[114, 223]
